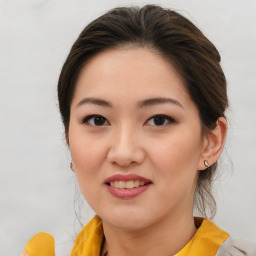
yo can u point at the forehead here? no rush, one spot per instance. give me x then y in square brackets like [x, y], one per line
[130, 72]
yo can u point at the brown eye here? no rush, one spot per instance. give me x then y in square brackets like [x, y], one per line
[160, 120]
[95, 120]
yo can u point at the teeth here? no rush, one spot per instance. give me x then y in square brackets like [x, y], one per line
[122, 184]
[127, 184]
[136, 183]
[142, 183]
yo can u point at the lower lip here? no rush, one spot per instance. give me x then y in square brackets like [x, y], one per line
[124, 193]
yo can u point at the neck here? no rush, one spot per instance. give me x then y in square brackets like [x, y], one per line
[166, 237]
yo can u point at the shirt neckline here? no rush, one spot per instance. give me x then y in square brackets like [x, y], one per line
[206, 241]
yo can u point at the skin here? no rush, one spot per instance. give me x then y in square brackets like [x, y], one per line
[160, 220]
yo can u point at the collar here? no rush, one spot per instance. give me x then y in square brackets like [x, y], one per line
[206, 241]
[89, 240]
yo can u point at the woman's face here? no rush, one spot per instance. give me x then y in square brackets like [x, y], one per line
[135, 138]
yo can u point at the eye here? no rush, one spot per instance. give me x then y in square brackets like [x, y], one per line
[160, 120]
[95, 120]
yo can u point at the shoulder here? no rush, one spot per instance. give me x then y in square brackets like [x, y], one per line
[233, 247]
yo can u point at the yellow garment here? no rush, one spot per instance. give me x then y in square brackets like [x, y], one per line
[206, 241]
[89, 240]
[42, 244]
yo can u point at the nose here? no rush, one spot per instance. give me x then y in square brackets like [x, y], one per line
[125, 149]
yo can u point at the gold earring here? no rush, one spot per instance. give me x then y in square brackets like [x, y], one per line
[206, 163]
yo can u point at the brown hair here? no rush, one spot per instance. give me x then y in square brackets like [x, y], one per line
[175, 38]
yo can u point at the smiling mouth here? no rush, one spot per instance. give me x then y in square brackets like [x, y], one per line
[127, 184]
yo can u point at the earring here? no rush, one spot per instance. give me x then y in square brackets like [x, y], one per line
[71, 166]
[206, 163]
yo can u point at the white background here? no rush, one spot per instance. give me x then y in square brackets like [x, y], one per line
[36, 185]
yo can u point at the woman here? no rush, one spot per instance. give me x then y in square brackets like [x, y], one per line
[143, 97]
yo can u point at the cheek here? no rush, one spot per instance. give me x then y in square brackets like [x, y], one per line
[178, 151]
[176, 160]
[87, 156]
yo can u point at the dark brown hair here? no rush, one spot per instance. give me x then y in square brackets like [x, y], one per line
[178, 40]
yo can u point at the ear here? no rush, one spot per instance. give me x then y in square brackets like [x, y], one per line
[213, 144]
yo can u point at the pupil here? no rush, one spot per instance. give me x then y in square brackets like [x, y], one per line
[159, 120]
[99, 120]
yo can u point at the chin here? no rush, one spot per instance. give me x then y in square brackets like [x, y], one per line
[129, 225]
[127, 220]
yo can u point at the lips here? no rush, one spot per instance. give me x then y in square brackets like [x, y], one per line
[127, 186]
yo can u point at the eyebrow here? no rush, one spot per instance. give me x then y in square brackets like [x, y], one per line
[141, 104]
[156, 101]
[95, 101]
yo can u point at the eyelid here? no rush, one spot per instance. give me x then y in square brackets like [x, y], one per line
[86, 119]
[168, 118]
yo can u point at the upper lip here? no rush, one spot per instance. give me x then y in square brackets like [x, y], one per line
[127, 177]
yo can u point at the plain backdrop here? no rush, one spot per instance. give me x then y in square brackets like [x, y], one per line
[37, 188]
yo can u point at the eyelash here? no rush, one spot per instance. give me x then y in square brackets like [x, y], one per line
[167, 118]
